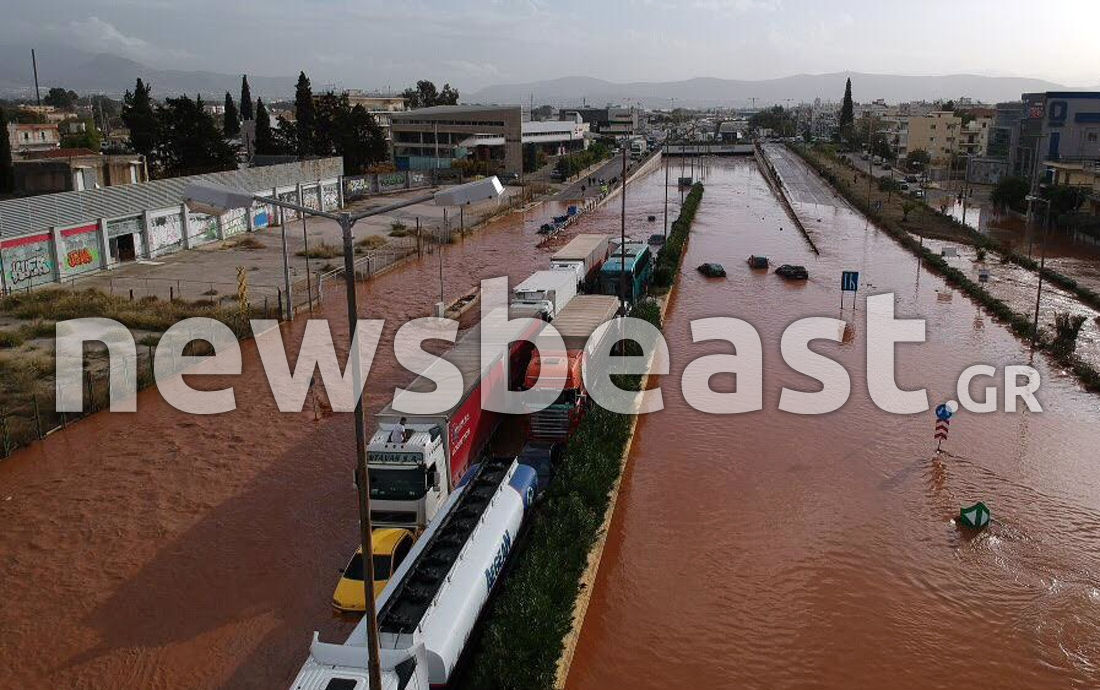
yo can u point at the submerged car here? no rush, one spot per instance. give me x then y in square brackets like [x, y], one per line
[712, 270]
[390, 546]
[758, 261]
[793, 272]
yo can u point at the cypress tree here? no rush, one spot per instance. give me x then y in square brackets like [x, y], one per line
[231, 125]
[265, 141]
[141, 119]
[846, 120]
[305, 114]
[246, 100]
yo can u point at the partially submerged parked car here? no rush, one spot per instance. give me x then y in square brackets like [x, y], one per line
[792, 272]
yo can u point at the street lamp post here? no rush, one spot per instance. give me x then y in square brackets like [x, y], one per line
[666, 183]
[217, 200]
[1031, 198]
[622, 245]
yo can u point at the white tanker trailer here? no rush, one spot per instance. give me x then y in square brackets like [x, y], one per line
[428, 610]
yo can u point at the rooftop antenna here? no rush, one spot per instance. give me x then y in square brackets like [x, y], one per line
[34, 65]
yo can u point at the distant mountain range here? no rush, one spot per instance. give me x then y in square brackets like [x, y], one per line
[707, 91]
[88, 73]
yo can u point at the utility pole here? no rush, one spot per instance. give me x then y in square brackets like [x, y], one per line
[362, 476]
[870, 161]
[622, 236]
[37, 95]
[309, 276]
[666, 184]
[1042, 267]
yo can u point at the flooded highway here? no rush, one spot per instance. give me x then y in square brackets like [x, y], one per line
[769, 550]
[162, 550]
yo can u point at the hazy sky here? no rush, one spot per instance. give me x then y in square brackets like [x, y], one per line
[472, 44]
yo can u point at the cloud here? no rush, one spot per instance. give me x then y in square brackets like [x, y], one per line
[98, 36]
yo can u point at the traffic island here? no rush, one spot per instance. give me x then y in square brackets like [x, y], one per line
[530, 629]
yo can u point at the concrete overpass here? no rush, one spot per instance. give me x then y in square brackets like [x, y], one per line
[708, 149]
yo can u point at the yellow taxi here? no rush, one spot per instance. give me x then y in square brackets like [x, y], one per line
[390, 546]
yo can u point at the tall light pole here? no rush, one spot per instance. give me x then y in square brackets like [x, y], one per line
[622, 236]
[666, 183]
[1031, 198]
[217, 200]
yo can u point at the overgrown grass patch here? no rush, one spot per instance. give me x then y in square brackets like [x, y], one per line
[321, 251]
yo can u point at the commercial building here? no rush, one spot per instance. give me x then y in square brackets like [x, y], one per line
[1057, 126]
[1005, 128]
[58, 237]
[435, 137]
[611, 121]
[65, 170]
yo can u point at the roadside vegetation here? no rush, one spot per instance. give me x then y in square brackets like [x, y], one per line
[573, 163]
[523, 631]
[1060, 346]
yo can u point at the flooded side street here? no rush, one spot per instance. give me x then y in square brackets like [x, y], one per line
[160, 550]
[769, 550]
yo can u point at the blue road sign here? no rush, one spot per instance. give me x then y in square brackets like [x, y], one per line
[943, 412]
[849, 281]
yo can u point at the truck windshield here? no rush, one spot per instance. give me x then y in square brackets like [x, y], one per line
[397, 484]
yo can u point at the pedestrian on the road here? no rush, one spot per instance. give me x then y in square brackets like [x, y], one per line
[397, 433]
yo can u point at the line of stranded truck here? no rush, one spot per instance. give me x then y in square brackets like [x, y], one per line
[409, 481]
[576, 323]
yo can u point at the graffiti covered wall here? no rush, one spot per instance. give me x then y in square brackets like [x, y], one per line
[356, 188]
[28, 261]
[165, 232]
[203, 228]
[330, 196]
[309, 197]
[80, 250]
[261, 215]
[289, 197]
[234, 222]
[389, 182]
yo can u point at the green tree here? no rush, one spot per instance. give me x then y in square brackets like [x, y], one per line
[1010, 192]
[304, 114]
[425, 95]
[24, 116]
[265, 139]
[846, 119]
[7, 175]
[353, 133]
[231, 123]
[1064, 198]
[246, 99]
[140, 118]
[60, 98]
[89, 139]
[917, 160]
[361, 141]
[880, 146]
[190, 143]
[777, 119]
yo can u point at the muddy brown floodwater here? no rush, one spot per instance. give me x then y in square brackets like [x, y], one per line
[162, 550]
[769, 550]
